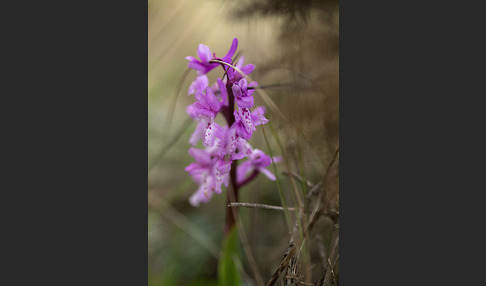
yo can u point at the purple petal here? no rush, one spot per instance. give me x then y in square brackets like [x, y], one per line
[196, 66]
[276, 159]
[236, 90]
[246, 119]
[194, 199]
[198, 174]
[224, 93]
[240, 129]
[257, 116]
[245, 102]
[212, 100]
[203, 111]
[204, 53]
[224, 166]
[219, 177]
[199, 84]
[204, 193]
[211, 129]
[197, 134]
[243, 84]
[200, 155]
[251, 84]
[240, 62]
[232, 139]
[242, 170]
[267, 173]
[248, 69]
[231, 73]
[259, 159]
[192, 166]
[191, 112]
[231, 52]
[237, 156]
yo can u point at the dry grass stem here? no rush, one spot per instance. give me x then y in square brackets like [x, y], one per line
[261, 206]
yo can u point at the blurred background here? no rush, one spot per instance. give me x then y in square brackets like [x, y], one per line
[295, 48]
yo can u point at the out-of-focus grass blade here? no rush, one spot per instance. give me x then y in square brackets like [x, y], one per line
[167, 147]
[227, 271]
[170, 114]
[277, 179]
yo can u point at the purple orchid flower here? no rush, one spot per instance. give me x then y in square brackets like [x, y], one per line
[207, 104]
[246, 121]
[256, 160]
[242, 94]
[206, 108]
[223, 144]
[203, 66]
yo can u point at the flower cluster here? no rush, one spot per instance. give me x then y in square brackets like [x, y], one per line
[223, 144]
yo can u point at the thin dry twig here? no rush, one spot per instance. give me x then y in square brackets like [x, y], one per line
[261, 206]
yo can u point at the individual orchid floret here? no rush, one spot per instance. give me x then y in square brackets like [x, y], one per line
[203, 66]
[245, 121]
[207, 104]
[242, 94]
[257, 160]
[205, 109]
